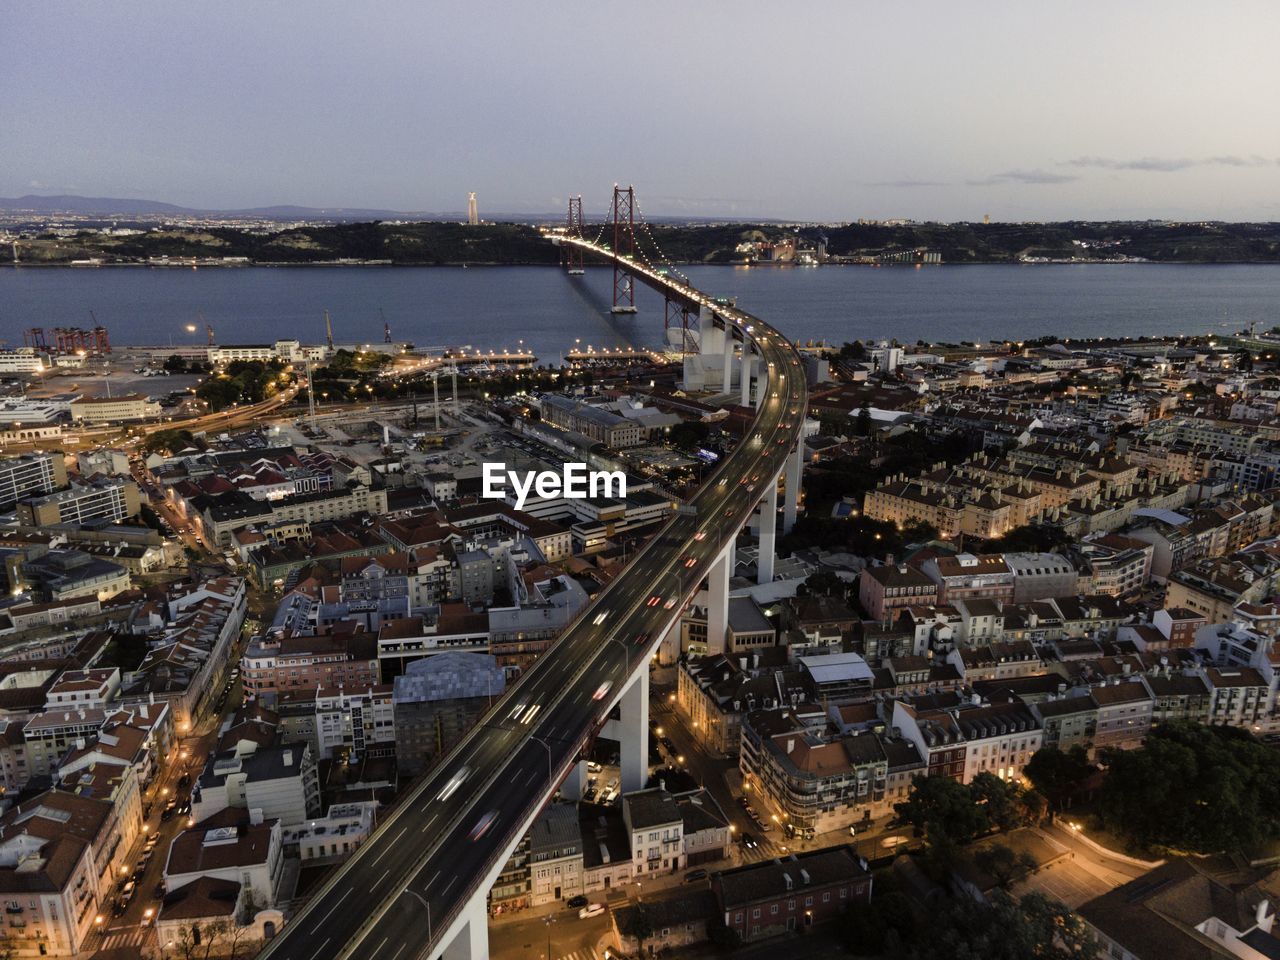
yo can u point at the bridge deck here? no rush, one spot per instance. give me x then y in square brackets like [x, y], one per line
[401, 891]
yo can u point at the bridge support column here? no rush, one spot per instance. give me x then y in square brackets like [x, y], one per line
[669, 649]
[768, 520]
[708, 334]
[728, 360]
[718, 600]
[575, 784]
[748, 366]
[633, 742]
[472, 941]
[795, 467]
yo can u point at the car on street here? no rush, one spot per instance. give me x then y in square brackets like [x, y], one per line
[482, 825]
[594, 910]
[695, 875]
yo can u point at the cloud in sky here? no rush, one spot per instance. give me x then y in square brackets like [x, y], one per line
[1170, 164]
[397, 111]
[1033, 177]
[908, 183]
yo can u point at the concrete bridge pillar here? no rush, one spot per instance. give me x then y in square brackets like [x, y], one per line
[749, 361]
[795, 468]
[575, 784]
[669, 648]
[633, 739]
[718, 600]
[768, 520]
[709, 341]
[471, 942]
[728, 360]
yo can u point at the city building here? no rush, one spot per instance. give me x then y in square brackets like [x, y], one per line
[885, 590]
[30, 475]
[91, 410]
[102, 498]
[775, 897]
[437, 700]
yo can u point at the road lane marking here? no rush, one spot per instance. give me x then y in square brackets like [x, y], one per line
[452, 881]
[432, 880]
[384, 875]
[389, 846]
[426, 826]
[398, 952]
[344, 896]
[321, 950]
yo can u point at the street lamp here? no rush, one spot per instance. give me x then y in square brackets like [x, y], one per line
[547, 747]
[626, 651]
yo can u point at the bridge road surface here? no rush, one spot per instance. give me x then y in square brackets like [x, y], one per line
[402, 889]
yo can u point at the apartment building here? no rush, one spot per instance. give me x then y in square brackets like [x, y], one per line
[600, 425]
[767, 899]
[656, 828]
[342, 657]
[134, 406]
[885, 590]
[816, 782]
[999, 739]
[338, 722]
[104, 498]
[966, 576]
[30, 475]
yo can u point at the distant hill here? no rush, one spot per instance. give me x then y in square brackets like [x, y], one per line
[106, 206]
[116, 206]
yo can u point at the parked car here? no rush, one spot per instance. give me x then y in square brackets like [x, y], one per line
[694, 875]
[577, 902]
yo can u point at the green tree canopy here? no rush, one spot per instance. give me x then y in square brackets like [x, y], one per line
[1003, 864]
[1006, 929]
[944, 809]
[1194, 787]
[1058, 774]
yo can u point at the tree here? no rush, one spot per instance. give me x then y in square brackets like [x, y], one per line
[1029, 539]
[1217, 789]
[825, 583]
[168, 440]
[1034, 807]
[869, 928]
[638, 925]
[175, 364]
[721, 934]
[219, 392]
[688, 435]
[944, 809]
[853, 351]
[1006, 929]
[999, 799]
[1004, 866]
[864, 420]
[1058, 774]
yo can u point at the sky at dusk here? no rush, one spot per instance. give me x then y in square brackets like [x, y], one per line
[929, 110]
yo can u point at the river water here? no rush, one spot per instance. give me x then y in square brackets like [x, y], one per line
[496, 307]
